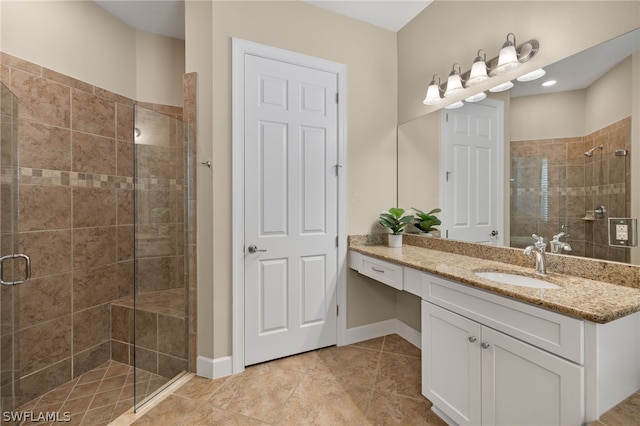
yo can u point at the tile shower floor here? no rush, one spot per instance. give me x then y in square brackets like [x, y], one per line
[96, 397]
[376, 382]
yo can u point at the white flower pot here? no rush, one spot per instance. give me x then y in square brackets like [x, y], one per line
[395, 240]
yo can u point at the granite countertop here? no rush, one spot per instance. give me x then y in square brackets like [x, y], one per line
[583, 298]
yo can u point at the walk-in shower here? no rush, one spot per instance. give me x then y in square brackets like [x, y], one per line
[103, 213]
[572, 185]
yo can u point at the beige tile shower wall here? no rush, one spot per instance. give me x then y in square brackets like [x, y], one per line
[75, 220]
[575, 184]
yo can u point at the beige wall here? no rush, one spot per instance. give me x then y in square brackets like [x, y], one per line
[547, 116]
[78, 39]
[160, 66]
[199, 58]
[453, 31]
[82, 40]
[574, 113]
[608, 100]
[370, 55]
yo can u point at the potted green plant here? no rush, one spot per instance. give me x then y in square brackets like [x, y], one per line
[395, 220]
[426, 222]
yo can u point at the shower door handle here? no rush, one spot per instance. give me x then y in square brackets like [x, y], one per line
[27, 268]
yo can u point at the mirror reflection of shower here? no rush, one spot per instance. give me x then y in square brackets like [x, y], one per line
[590, 152]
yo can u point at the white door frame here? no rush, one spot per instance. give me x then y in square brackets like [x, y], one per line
[499, 106]
[240, 48]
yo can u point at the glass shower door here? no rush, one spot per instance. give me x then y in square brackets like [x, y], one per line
[9, 362]
[160, 258]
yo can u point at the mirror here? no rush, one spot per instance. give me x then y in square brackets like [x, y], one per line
[550, 179]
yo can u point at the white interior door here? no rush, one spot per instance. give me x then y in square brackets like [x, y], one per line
[472, 190]
[291, 209]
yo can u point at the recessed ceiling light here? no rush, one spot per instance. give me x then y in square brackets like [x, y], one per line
[549, 83]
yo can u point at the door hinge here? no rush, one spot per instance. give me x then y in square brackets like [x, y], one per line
[446, 233]
[337, 310]
[337, 98]
[337, 241]
[446, 117]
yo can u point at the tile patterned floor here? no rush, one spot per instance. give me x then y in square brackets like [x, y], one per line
[376, 382]
[96, 397]
[627, 413]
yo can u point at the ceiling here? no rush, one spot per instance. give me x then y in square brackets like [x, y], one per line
[582, 69]
[166, 17]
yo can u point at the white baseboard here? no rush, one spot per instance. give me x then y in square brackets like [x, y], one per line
[383, 328]
[214, 368]
[221, 367]
[204, 367]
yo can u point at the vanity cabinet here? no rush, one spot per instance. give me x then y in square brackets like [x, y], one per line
[489, 359]
[476, 375]
[492, 360]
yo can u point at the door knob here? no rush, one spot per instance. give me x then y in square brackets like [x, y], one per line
[493, 233]
[485, 345]
[472, 339]
[253, 249]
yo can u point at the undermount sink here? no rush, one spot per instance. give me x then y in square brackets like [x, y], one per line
[517, 280]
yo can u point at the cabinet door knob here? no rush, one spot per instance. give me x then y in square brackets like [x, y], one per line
[472, 339]
[485, 345]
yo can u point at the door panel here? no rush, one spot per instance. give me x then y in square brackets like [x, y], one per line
[272, 166]
[273, 295]
[291, 209]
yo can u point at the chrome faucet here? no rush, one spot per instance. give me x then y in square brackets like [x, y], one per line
[539, 250]
[558, 246]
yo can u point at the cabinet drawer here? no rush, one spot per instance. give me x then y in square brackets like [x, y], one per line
[385, 272]
[553, 332]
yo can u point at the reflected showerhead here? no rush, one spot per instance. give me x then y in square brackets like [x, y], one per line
[590, 152]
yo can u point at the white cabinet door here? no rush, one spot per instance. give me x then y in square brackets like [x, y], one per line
[451, 364]
[523, 385]
[479, 376]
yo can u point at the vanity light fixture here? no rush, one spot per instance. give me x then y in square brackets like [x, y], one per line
[433, 92]
[455, 105]
[478, 73]
[501, 87]
[549, 83]
[508, 59]
[477, 97]
[532, 75]
[454, 82]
